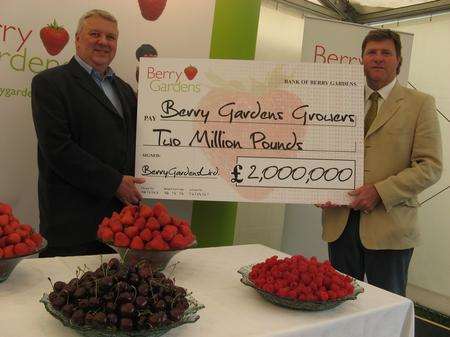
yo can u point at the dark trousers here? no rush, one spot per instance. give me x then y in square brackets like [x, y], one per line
[387, 269]
[91, 248]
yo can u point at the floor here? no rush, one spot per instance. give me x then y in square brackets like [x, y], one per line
[430, 323]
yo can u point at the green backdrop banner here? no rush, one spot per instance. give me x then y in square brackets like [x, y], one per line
[234, 34]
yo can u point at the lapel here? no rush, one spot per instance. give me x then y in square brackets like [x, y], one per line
[87, 83]
[389, 108]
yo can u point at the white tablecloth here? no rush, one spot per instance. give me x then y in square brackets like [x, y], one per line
[232, 309]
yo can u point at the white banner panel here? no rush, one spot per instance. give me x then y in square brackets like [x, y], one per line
[249, 131]
[24, 53]
[338, 42]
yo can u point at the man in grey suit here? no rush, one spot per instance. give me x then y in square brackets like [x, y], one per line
[375, 236]
[85, 121]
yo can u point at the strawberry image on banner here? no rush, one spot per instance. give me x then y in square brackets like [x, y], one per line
[152, 9]
[190, 72]
[54, 38]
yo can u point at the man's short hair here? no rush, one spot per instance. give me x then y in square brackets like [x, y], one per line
[95, 12]
[381, 35]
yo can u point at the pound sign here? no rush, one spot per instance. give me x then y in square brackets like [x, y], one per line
[236, 173]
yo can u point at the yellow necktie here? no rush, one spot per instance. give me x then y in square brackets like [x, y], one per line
[372, 112]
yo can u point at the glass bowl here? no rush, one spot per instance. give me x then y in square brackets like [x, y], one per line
[189, 316]
[297, 304]
[158, 258]
[7, 265]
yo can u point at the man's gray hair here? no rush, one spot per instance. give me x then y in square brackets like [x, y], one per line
[95, 12]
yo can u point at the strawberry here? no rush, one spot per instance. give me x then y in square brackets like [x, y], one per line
[37, 238]
[190, 72]
[13, 238]
[4, 219]
[140, 223]
[3, 242]
[127, 218]
[105, 234]
[129, 208]
[23, 233]
[158, 209]
[189, 239]
[31, 244]
[5, 209]
[8, 251]
[152, 224]
[176, 221]
[169, 232]
[178, 242]
[146, 234]
[26, 228]
[116, 225]
[185, 230]
[105, 222]
[137, 243]
[164, 219]
[1, 253]
[54, 38]
[131, 231]
[1, 232]
[158, 243]
[146, 211]
[115, 216]
[152, 9]
[156, 233]
[121, 240]
[21, 249]
[184, 223]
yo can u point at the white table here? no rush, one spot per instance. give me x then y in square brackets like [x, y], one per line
[232, 309]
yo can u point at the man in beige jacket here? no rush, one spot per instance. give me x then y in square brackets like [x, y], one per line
[376, 234]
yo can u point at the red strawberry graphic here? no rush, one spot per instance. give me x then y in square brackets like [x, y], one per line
[190, 72]
[152, 9]
[54, 38]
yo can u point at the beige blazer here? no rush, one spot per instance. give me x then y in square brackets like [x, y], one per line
[403, 156]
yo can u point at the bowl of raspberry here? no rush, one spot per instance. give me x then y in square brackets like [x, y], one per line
[300, 283]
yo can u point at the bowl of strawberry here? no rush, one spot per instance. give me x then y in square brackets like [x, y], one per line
[300, 283]
[17, 241]
[146, 232]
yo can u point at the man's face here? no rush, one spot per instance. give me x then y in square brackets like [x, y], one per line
[96, 43]
[380, 63]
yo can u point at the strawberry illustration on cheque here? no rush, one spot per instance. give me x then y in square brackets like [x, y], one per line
[190, 72]
[152, 9]
[54, 38]
[246, 108]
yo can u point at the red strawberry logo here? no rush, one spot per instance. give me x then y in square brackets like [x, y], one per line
[54, 38]
[152, 9]
[190, 72]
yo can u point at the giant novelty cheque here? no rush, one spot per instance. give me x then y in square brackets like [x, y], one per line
[249, 131]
